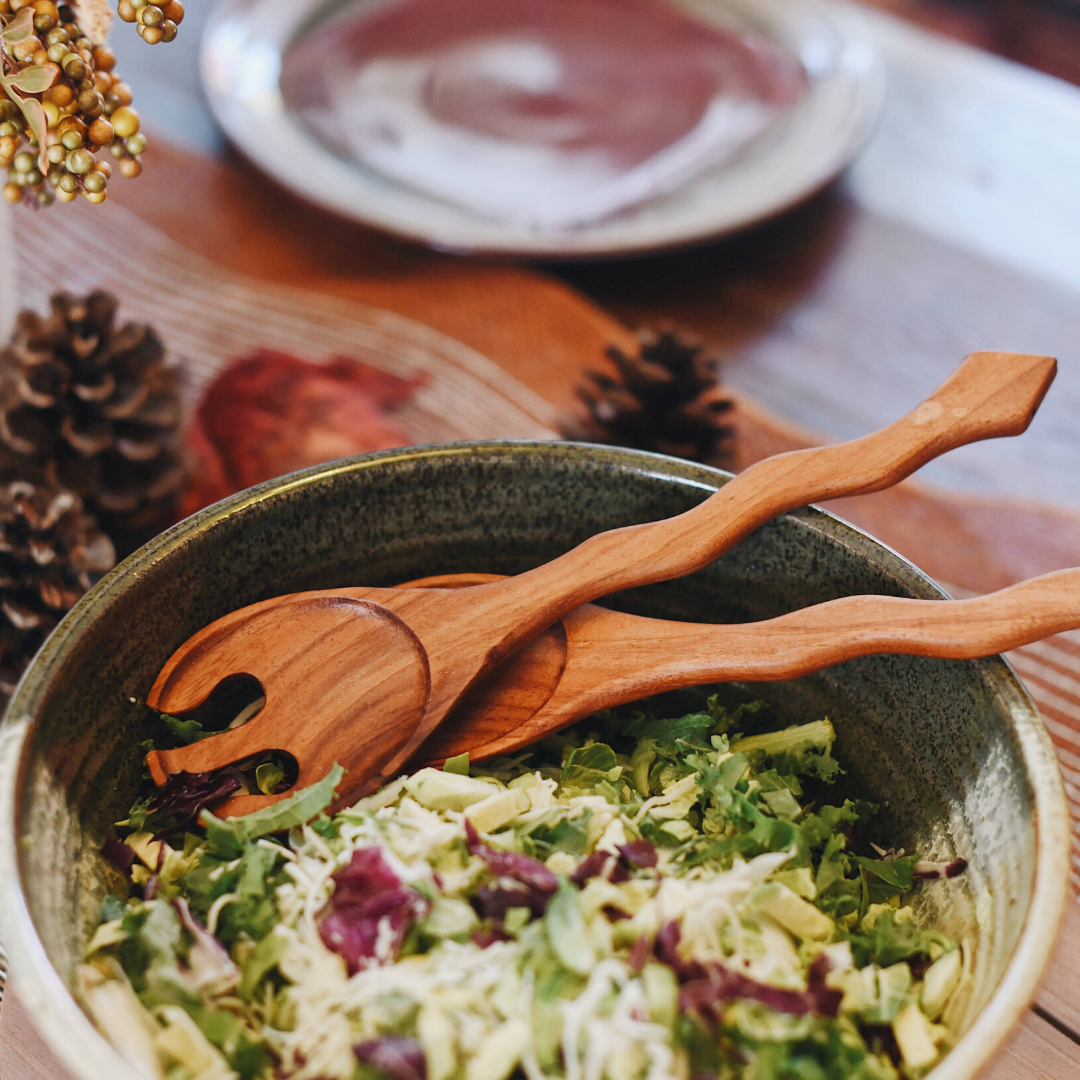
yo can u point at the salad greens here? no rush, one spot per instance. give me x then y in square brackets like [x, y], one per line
[637, 898]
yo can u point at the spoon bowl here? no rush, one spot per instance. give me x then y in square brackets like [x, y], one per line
[314, 648]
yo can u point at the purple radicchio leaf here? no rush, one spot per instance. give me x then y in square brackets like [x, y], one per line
[185, 795]
[707, 996]
[114, 850]
[919, 965]
[634, 855]
[666, 948]
[600, 864]
[639, 953]
[820, 966]
[707, 986]
[210, 963]
[827, 999]
[486, 936]
[521, 881]
[369, 913]
[924, 868]
[639, 854]
[399, 1056]
[493, 900]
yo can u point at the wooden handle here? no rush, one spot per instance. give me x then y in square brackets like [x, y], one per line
[614, 658]
[989, 395]
[417, 651]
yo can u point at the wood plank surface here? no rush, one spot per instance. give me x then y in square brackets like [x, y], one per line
[1059, 996]
[1037, 1051]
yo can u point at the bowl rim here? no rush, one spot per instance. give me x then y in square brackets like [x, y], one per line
[87, 1054]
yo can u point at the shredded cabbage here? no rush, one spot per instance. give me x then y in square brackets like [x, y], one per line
[638, 898]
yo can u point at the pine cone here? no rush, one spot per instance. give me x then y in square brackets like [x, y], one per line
[51, 552]
[669, 400]
[95, 409]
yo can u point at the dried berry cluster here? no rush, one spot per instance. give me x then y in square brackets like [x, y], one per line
[62, 105]
[155, 22]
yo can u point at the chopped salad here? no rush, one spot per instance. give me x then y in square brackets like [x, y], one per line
[638, 898]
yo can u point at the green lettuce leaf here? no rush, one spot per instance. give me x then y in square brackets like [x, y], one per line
[886, 878]
[567, 932]
[892, 940]
[227, 837]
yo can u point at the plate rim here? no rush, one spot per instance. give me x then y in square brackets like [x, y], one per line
[294, 157]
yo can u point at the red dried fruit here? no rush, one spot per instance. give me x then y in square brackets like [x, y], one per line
[271, 413]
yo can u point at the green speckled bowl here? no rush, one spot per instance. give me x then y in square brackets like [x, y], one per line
[954, 751]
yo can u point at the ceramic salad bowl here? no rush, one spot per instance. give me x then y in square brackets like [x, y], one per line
[954, 752]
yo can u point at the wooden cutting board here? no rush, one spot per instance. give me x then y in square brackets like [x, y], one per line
[539, 330]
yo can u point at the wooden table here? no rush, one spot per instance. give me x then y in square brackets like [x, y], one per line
[957, 229]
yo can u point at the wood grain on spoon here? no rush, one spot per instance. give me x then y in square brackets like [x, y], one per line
[609, 658]
[456, 636]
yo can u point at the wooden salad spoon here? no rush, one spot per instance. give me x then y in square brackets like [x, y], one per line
[362, 680]
[596, 658]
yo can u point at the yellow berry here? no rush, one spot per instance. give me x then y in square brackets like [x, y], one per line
[125, 121]
[73, 66]
[100, 132]
[52, 113]
[104, 168]
[12, 192]
[62, 95]
[104, 58]
[95, 196]
[65, 196]
[26, 48]
[130, 168]
[80, 162]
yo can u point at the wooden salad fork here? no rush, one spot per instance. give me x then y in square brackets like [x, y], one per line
[363, 679]
[596, 659]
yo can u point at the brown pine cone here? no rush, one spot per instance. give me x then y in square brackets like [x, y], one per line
[93, 408]
[669, 399]
[51, 552]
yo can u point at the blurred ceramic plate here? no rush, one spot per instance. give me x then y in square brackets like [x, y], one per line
[808, 145]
